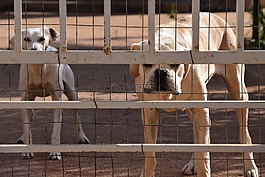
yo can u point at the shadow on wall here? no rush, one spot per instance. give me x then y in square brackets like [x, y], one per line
[119, 6]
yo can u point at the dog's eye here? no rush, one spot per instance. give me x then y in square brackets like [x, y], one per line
[27, 39]
[148, 65]
[42, 39]
[174, 65]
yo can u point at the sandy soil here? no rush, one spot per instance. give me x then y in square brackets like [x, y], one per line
[113, 82]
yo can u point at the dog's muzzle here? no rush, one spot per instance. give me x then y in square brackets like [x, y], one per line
[161, 80]
[161, 83]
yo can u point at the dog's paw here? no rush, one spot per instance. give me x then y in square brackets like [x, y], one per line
[55, 156]
[20, 141]
[143, 175]
[84, 140]
[27, 155]
[252, 173]
[189, 169]
[251, 169]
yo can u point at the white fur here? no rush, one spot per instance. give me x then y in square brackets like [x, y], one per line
[42, 80]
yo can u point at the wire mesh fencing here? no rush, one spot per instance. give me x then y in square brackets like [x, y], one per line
[95, 40]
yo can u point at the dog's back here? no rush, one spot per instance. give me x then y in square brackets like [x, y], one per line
[212, 27]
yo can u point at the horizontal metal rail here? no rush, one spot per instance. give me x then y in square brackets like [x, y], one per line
[129, 104]
[130, 57]
[229, 148]
[53, 2]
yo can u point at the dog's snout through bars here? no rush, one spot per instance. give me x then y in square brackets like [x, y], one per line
[161, 79]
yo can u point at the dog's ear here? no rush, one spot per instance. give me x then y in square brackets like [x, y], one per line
[186, 70]
[12, 42]
[136, 46]
[54, 35]
[134, 70]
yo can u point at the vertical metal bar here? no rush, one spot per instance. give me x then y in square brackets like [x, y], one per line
[255, 15]
[240, 9]
[18, 24]
[107, 15]
[63, 16]
[195, 24]
[151, 25]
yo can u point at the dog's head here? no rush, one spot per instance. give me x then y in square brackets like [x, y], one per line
[160, 78]
[37, 38]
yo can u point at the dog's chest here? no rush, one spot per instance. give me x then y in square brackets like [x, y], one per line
[40, 90]
[40, 85]
[38, 76]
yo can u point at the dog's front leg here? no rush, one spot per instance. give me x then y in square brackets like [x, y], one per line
[57, 121]
[150, 118]
[200, 163]
[71, 93]
[27, 136]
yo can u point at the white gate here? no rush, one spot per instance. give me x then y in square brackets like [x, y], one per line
[109, 56]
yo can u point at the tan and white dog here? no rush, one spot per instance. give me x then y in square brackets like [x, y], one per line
[188, 82]
[42, 80]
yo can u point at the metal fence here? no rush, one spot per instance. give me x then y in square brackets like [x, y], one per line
[108, 55]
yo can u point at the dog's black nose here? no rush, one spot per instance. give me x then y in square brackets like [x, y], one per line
[161, 73]
[161, 79]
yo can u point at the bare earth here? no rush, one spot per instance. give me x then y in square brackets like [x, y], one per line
[113, 82]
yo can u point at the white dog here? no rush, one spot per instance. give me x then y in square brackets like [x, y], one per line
[42, 80]
[188, 82]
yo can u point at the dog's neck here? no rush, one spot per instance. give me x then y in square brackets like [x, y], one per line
[36, 68]
[39, 67]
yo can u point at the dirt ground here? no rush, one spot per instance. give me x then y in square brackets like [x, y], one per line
[113, 82]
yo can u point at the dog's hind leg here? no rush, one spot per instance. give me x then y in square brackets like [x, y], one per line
[77, 121]
[234, 78]
[82, 136]
[71, 94]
